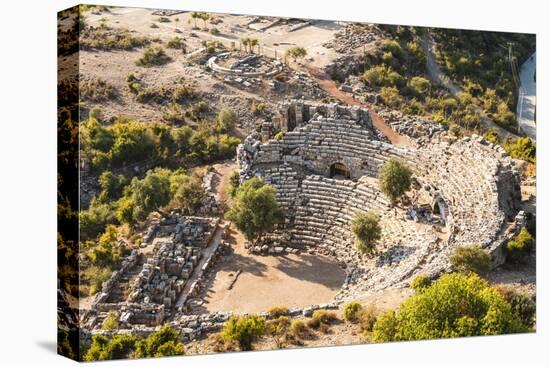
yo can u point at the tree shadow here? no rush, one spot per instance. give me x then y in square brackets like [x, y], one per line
[394, 255]
[314, 269]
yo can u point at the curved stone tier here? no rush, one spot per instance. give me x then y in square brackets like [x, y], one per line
[473, 184]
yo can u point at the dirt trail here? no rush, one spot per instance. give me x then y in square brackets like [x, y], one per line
[329, 86]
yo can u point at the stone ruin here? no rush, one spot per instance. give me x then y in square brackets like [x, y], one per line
[325, 170]
[152, 287]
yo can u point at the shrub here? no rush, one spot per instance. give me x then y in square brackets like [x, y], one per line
[390, 96]
[296, 53]
[182, 94]
[367, 231]
[523, 305]
[227, 118]
[520, 247]
[164, 20]
[153, 56]
[366, 317]
[97, 90]
[455, 305]
[255, 209]
[521, 148]
[277, 311]
[176, 43]
[473, 258]
[110, 322]
[350, 311]
[298, 328]
[96, 276]
[420, 282]
[420, 85]
[243, 330]
[234, 183]
[107, 38]
[320, 318]
[279, 136]
[394, 178]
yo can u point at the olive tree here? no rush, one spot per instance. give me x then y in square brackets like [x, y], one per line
[367, 231]
[394, 179]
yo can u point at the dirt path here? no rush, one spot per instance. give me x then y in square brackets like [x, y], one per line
[438, 77]
[329, 86]
[266, 281]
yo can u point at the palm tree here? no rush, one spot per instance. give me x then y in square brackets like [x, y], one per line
[177, 21]
[195, 15]
[253, 42]
[245, 41]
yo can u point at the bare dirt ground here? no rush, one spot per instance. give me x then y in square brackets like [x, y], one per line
[266, 281]
[339, 332]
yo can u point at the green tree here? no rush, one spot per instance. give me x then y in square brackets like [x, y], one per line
[141, 197]
[189, 193]
[162, 343]
[111, 186]
[110, 322]
[227, 118]
[455, 305]
[118, 347]
[420, 85]
[471, 258]
[394, 178]
[367, 231]
[421, 282]
[296, 53]
[255, 209]
[243, 330]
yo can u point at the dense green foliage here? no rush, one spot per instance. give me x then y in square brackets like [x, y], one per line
[479, 62]
[227, 118]
[128, 142]
[110, 322]
[350, 311]
[234, 183]
[471, 258]
[453, 306]
[520, 246]
[367, 231]
[523, 305]
[255, 209]
[162, 343]
[394, 178]
[421, 282]
[188, 193]
[244, 330]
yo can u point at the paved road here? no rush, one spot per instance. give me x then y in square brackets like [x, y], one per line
[527, 98]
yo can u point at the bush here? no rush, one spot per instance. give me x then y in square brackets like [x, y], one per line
[420, 282]
[473, 258]
[366, 317]
[521, 148]
[391, 97]
[453, 306]
[153, 56]
[255, 209]
[394, 178]
[279, 136]
[110, 322]
[296, 53]
[524, 306]
[243, 330]
[420, 85]
[96, 276]
[298, 328]
[189, 193]
[367, 231]
[227, 118]
[277, 311]
[320, 318]
[107, 39]
[520, 247]
[234, 183]
[97, 90]
[350, 311]
[164, 20]
[176, 43]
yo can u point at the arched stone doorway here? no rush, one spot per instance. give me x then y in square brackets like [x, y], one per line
[339, 170]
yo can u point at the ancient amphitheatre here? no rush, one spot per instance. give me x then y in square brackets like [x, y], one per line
[320, 142]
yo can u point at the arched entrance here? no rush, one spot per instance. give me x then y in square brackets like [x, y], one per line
[339, 170]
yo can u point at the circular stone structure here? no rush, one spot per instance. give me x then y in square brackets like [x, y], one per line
[325, 170]
[249, 65]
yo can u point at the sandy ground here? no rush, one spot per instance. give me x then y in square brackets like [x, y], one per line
[266, 281]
